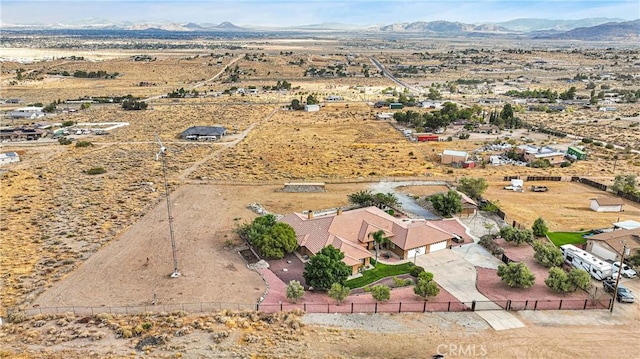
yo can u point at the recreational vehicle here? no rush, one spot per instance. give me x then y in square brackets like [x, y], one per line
[596, 267]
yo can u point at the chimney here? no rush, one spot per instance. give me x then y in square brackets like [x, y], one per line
[310, 214]
[339, 211]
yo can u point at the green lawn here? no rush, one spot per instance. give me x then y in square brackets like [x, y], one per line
[380, 271]
[561, 238]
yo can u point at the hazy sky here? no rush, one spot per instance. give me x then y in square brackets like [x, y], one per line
[301, 12]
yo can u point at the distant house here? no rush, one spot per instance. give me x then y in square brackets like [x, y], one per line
[203, 133]
[490, 101]
[384, 116]
[628, 224]
[436, 105]
[29, 112]
[333, 98]
[449, 156]
[532, 153]
[396, 106]
[609, 245]
[606, 204]
[312, 108]
[350, 232]
[9, 157]
[21, 134]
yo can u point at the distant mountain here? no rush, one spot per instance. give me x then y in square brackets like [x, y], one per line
[613, 31]
[530, 24]
[227, 26]
[442, 27]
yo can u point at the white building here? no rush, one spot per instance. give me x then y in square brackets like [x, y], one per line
[606, 204]
[312, 108]
[9, 157]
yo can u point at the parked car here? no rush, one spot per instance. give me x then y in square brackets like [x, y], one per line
[623, 295]
[627, 272]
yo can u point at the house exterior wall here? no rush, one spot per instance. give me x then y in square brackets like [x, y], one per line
[448, 159]
[594, 206]
[601, 250]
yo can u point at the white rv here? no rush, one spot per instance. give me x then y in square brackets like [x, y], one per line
[596, 267]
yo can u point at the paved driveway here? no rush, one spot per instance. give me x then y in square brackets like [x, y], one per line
[458, 277]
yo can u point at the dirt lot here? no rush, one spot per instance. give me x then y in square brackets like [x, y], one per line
[565, 207]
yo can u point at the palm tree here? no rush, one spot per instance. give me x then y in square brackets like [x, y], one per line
[378, 239]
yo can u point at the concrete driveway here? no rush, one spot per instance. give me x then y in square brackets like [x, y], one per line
[458, 276]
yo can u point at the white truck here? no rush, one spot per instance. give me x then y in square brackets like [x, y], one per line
[598, 268]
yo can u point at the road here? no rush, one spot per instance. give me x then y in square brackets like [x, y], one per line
[389, 75]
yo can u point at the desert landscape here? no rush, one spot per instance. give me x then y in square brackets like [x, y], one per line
[83, 217]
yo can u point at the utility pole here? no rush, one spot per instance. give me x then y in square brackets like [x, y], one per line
[625, 251]
[162, 153]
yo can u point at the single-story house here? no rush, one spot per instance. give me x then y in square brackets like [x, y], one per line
[203, 133]
[384, 116]
[531, 153]
[9, 157]
[22, 133]
[332, 98]
[26, 115]
[436, 105]
[606, 204]
[312, 108]
[451, 156]
[350, 232]
[609, 245]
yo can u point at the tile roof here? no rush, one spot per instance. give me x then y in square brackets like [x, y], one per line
[615, 239]
[350, 231]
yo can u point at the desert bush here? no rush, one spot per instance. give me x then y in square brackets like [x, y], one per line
[64, 141]
[84, 144]
[415, 271]
[96, 171]
[17, 317]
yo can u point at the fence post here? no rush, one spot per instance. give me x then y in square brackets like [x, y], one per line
[449, 307]
[376, 308]
[424, 307]
[327, 308]
[508, 306]
[473, 306]
[400, 307]
[585, 304]
[257, 307]
[304, 306]
[280, 306]
[560, 307]
[526, 304]
[535, 306]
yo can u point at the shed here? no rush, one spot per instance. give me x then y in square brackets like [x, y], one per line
[396, 106]
[606, 204]
[577, 153]
[451, 156]
[312, 108]
[425, 138]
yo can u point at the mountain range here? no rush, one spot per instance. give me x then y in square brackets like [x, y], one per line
[597, 29]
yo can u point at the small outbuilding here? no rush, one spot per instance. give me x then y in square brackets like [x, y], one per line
[9, 157]
[606, 204]
[312, 108]
[577, 153]
[450, 156]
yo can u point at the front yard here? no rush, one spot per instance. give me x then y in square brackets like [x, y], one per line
[380, 271]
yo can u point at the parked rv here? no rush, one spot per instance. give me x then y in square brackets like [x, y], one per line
[598, 268]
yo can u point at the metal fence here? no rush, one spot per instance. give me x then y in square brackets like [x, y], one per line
[346, 307]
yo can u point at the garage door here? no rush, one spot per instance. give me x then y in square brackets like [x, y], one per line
[416, 252]
[437, 246]
[602, 252]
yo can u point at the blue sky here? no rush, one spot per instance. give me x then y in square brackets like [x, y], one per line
[302, 12]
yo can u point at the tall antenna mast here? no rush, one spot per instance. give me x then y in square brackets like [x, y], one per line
[162, 154]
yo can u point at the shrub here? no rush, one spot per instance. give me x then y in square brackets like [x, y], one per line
[84, 144]
[67, 123]
[609, 146]
[64, 141]
[295, 291]
[516, 275]
[339, 292]
[381, 293]
[96, 171]
[416, 270]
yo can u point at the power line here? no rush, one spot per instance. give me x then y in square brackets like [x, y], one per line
[162, 154]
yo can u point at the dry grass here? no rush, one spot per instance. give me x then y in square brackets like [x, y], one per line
[565, 207]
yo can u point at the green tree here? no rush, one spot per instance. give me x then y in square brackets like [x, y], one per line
[517, 236]
[312, 100]
[507, 112]
[472, 187]
[434, 94]
[385, 200]
[326, 268]
[558, 280]
[295, 105]
[516, 275]
[426, 288]
[378, 240]
[625, 183]
[85, 105]
[539, 228]
[579, 278]
[447, 204]
[271, 238]
[295, 291]
[547, 254]
[362, 198]
[339, 292]
[380, 293]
